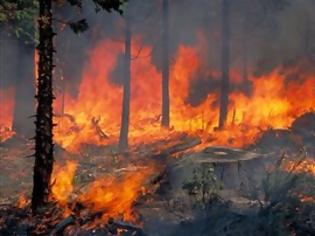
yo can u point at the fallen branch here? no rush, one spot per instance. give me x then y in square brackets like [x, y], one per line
[114, 225]
[99, 131]
[62, 225]
[180, 147]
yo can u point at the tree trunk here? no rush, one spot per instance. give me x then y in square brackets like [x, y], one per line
[165, 65]
[44, 114]
[225, 60]
[245, 59]
[24, 104]
[244, 44]
[123, 139]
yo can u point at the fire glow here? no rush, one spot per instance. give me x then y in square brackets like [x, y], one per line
[116, 195]
[62, 181]
[7, 102]
[113, 195]
[93, 117]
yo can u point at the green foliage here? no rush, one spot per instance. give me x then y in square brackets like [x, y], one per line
[203, 186]
[20, 16]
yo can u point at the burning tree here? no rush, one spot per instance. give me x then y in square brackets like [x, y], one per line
[124, 128]
[44, 123]
[44, 157]
[225, 62]
[165, 70]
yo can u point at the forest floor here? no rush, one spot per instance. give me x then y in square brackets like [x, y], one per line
[168, 208]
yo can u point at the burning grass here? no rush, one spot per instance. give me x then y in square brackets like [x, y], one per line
[105, 205]
[93, 117]
[107, 202]
[116, 196]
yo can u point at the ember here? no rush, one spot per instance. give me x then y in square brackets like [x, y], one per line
[306, 166]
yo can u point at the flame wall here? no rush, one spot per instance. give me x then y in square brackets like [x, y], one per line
[275, 99]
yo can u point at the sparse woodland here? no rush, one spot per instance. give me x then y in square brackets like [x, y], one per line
[162, 117]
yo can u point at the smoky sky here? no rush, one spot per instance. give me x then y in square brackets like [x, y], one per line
[272, 36]
[268, 33]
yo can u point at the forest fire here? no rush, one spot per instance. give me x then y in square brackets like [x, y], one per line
[6, 117]
[93, 117]
[157, 117]
[307, 166]
[62, 181]
[115, 196]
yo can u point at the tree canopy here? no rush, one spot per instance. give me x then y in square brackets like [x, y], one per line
[19, 16]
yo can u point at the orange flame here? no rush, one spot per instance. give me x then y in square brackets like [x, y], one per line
[22, 202]
[306, 166]
[116, 195]
[7, 101]
[275, 101]
[62, 178]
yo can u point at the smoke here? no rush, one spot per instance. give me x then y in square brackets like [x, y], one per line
[267, 36]
[273, 36]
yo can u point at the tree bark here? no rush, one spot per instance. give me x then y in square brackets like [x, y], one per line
[225, 63]
[245, 45]
[124, 130]
[165, 65]
[44, 114]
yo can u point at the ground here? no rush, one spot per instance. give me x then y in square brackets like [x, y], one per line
[156, 172]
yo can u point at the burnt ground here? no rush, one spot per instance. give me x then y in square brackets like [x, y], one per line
[242, 204]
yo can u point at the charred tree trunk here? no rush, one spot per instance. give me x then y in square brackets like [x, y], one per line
[225, 60]
[165, 65]
[245, 59]
[244, 45]
[44, 114]
[123, 139]
[24, 104]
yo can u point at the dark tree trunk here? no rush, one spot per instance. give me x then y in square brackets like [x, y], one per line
[44, 114]
[165, 65]
[24, 104]
[246, 82]
[245, 59]
[123, 139]
[225, 60]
